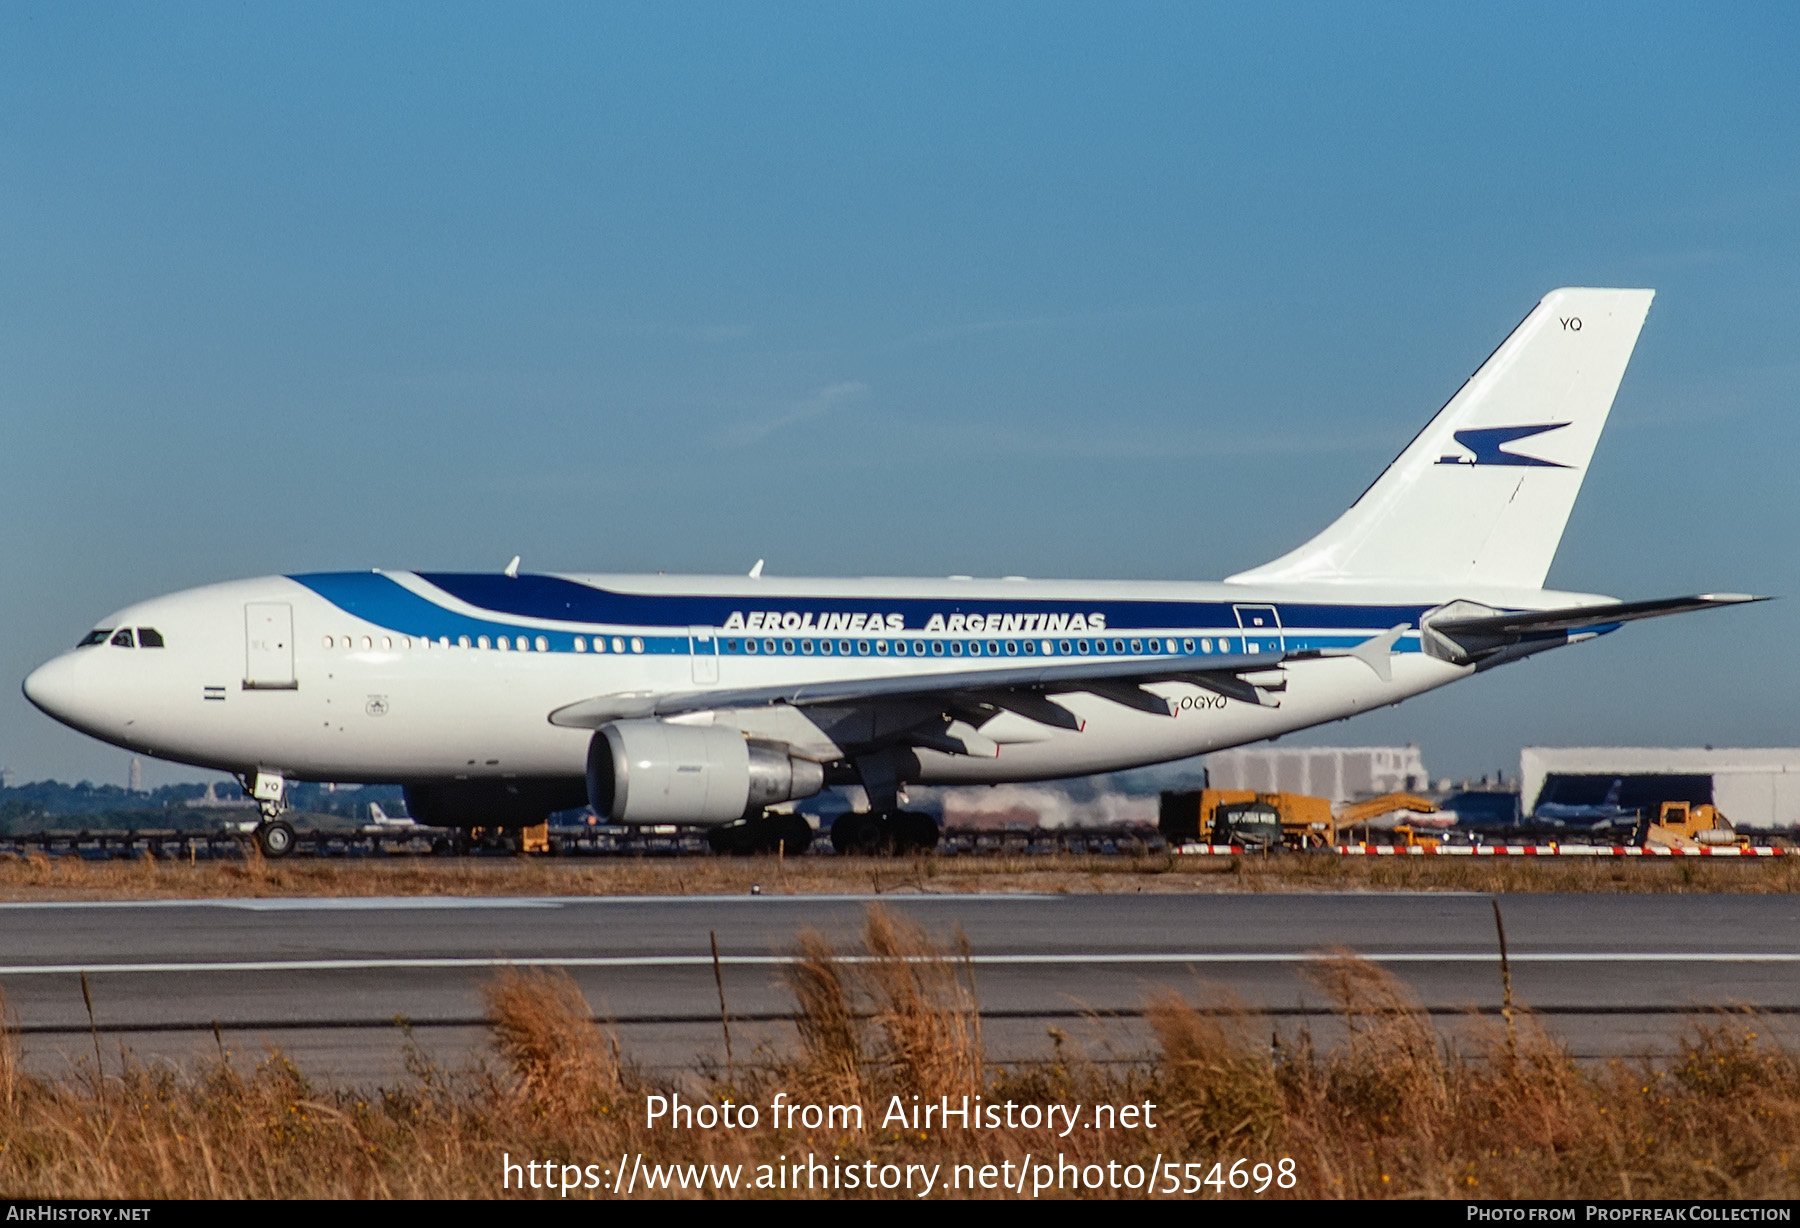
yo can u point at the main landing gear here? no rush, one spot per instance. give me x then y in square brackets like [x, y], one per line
[892, 831]
[767, 833]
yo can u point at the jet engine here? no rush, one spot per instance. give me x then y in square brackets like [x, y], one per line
[650, 771]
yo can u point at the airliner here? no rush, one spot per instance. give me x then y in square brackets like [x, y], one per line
[500, 698]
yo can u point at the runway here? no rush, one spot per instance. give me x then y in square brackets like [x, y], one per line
[327, 979]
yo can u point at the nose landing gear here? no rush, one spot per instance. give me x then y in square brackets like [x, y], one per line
[275, 839]
[274, 835]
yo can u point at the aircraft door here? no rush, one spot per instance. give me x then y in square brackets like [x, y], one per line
[1261, 625]
[269, 646]
[703, 643]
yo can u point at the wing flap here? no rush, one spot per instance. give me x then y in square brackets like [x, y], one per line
[999, 687]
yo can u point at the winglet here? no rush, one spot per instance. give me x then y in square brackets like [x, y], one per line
[756, 571]
[512, 568]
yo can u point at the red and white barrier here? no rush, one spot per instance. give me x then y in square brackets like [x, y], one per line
[1556, 850]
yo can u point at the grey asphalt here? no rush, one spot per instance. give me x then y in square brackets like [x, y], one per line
[326, 979]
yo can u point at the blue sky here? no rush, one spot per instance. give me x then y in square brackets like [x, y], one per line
[1106, 290]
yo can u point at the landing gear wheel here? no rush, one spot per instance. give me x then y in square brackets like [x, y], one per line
[914, 832]
[848, 833]
[867, 835]
[732, 840]
[275, 840]
[792, 835]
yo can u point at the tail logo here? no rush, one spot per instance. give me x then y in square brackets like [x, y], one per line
[1485, 444]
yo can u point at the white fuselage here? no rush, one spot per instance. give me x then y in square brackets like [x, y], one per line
[391, 676]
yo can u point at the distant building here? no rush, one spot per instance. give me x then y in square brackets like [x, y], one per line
[1340, 773]
[1758, 787]
[135, 778]
[6, 778]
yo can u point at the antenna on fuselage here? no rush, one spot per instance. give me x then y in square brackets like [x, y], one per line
[756, 571]
[512, 568]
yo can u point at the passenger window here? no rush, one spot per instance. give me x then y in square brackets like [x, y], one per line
[1187, 645]
[543, 645]
[329, 641]
[843, 648]
[825, 647]
[122, 638]
[787, 646]
[880, 648]
[387, 643]
[1063, 647]
[618, 643]
[637, 645]
[581, 644]
[462, 641]
[806, 648]
[97, 636]
[481, 641]
[149, 637]
[750, 646]
[956, 648]
[937, 648]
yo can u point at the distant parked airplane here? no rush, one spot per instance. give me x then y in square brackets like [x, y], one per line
[499, 698]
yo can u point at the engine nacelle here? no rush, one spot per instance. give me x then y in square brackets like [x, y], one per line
[653, 772]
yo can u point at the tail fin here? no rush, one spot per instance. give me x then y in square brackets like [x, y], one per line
[1481, 495]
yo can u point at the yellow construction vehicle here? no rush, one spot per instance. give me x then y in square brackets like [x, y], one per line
[1253, 820]
[1687, 825]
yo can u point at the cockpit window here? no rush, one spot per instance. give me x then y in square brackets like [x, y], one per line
[122, 638]
[149, 637]
[96, 636]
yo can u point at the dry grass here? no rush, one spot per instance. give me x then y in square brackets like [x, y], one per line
[1392, 1111]
[40, 877]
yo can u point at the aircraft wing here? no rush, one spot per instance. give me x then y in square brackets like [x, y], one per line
[971, 695]
[1579, 618]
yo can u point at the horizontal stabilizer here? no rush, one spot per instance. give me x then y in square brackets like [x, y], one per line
[1580, 618]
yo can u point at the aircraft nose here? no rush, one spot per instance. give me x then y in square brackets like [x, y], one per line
[54, 688]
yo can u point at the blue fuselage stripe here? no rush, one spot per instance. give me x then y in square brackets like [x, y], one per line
[662, 622]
